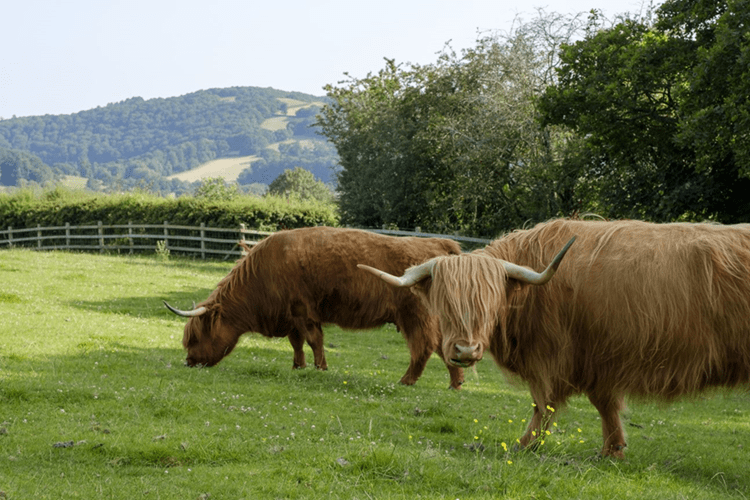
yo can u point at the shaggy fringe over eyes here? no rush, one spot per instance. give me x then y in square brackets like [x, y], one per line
[468, 295]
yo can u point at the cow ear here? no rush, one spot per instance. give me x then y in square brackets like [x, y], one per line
[422, 287]
[515, 285]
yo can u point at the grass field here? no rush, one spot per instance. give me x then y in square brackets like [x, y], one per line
[95, 403]
[227, 168]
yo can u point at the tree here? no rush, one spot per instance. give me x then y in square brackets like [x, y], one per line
[17, 167]
[376, 182]
[216, 189]
[302, 184]
[716, 101]
[455, 145]
[659, 109]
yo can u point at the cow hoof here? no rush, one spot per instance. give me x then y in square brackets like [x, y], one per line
[613, 452]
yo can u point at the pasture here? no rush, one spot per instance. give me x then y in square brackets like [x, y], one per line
[95, 403]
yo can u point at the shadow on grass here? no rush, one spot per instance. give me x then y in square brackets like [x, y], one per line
[145, 307]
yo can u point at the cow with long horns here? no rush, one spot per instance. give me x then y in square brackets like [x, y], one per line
[647, 310]
[293, 282]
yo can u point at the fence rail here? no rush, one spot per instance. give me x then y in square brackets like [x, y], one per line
[136, 238]
[131, 238]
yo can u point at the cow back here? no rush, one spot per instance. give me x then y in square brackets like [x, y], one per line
[313, 272]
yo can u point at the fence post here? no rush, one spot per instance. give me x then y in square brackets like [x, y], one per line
[39, 236]
[203, 243]
[243, 229]
[166, 236]
[10, 236]
[67, 235]
[101, 236]
[130, 235]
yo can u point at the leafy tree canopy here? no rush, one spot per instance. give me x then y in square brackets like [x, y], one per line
[216, 189]
[300, 184]
[17, 167]
[455, 145]
[663, 110]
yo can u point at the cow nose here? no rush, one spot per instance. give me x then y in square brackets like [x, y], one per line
[465, 356]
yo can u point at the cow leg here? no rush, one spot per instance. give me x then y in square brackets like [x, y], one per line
[298, 341]
[609, 407]
[541, 419]
[422, 337]
[315, 341]
[546, 407]
[420, 348]
[532, 431]
[419, 358]
[456, 373]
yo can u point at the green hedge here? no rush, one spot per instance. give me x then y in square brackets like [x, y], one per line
[27, 208]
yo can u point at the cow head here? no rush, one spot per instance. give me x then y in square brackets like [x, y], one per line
[470, 295]
[207, 338]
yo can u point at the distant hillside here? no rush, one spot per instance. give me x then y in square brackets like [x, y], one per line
[161, 143]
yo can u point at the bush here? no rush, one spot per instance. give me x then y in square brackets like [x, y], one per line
[27, 208]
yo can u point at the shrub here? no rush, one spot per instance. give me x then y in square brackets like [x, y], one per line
[27, 208]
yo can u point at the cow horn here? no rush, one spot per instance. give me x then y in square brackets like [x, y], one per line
[412, 276]
[532, 277]
[186, 314]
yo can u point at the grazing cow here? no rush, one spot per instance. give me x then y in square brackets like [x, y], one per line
[650, 310]
[294, 281]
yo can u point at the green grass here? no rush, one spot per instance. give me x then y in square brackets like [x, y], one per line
[95, 403]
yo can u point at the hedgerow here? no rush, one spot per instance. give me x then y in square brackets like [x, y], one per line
[28, 208]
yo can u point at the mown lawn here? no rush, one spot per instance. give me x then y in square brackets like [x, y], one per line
[95, 403]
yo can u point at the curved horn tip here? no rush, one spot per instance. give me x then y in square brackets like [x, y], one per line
[533, 278]
[185, 314]
[388, 278]
[410, 277]
[558, 258]
[174, 310]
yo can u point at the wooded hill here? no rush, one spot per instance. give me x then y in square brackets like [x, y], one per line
[146, 143]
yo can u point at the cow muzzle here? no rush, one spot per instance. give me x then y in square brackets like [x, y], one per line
[465, 356]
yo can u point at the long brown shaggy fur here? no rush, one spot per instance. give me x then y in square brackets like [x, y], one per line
[294, 281]
[649, 310]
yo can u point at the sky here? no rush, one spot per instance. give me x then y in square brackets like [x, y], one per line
[62, 57]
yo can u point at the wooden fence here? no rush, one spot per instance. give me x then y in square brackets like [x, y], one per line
[199, 241]
[134, 238]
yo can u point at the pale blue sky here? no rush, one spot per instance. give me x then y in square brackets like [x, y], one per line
[61, 57]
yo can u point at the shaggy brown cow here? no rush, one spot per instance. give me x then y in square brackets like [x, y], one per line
[294, 281]
[649, 310]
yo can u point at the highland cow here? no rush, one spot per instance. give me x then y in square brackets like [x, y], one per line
[654, 311]
[293, 282]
